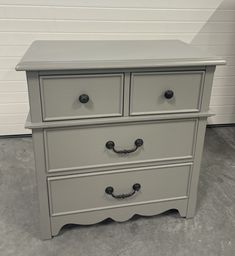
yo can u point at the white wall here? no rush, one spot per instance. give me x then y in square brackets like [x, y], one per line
[209, 24]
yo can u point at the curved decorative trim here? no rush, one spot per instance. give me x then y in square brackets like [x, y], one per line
[119, 215]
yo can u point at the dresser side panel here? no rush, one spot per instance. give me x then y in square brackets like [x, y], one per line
[34, 97]
[196, 168]
[39, 157]
[206, 95]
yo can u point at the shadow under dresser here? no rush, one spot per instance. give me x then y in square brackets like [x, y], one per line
[118, 127]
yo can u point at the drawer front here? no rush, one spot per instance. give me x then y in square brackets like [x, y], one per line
[65, 97]
[79, 193]
[84, 148]
[165, 92]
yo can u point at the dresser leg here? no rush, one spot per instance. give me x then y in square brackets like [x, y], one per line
[182, 211]
[45, 235]
[191, 211]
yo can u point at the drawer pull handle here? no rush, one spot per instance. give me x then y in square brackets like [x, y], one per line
[169, 94]
[111, 145]
[84, 98]
[136, 187]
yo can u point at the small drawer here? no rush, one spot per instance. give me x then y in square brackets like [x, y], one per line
[77, 148]
[83, 193]
[81, 96]
[165, 92]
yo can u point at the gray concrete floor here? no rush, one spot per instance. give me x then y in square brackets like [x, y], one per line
[210, 233]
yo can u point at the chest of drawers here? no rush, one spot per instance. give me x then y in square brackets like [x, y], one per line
[118, 127]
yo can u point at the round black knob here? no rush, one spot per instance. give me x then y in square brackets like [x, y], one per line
[139, 142]
[169, 94]
[84, 98]
[109, 190]
[110, 144]
[136, 187]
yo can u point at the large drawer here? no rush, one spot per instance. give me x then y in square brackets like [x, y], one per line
[165, 92]
[78, 193]
[81, 96]
[82, 148]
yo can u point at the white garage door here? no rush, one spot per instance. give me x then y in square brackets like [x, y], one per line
[209, 24]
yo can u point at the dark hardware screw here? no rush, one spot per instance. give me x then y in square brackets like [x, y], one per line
[169, 94]
[109, 190]
[139, 142]
[110, 145]
[136, 187]
[84, 98]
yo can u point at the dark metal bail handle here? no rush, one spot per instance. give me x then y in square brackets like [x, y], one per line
[136, 187]
[111, 145]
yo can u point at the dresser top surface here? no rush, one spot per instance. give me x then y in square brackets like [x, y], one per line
[70, 55]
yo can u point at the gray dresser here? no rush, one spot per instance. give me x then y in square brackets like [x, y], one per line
[118, 127]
